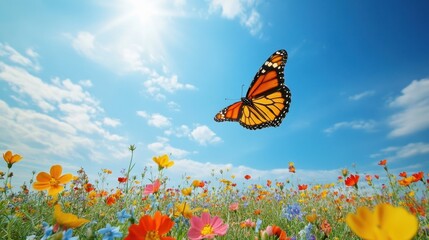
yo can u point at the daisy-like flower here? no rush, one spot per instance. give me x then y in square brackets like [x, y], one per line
[123, 215]
[151, 228]
[352, 181]
[10, 158]
[53, 181]
[183, 209]
[67, 220]
[206, 227]
[385, 222]
[163, 161]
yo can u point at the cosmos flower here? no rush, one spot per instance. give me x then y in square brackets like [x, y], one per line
[206, 227]
[151, 228]
[385, 222]
[10, 158]
[352, 180]
[302, 187]
[152, 188]
[53, 181]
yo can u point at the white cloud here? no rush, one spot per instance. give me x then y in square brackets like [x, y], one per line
[173, 106]
[182, 131]
[244, 10]
[358, 125]
[161, 146]
[413, 113]
[361, 95]
[156, 119]
[169, 84]
[16, 57]
[111, 122]
[85, 83]
[62, 117]
[204, 135]
[84, 44]
[401, 152]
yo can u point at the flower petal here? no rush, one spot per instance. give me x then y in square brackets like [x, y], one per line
[41, 185]
[43, 177]
[56, 171]
[362, 223]
[65, 178]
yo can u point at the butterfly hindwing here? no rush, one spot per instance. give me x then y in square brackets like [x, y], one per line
[267, 100]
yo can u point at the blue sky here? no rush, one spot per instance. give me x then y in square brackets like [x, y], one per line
[82, 80]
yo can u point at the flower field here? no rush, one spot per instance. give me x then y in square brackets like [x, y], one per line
[60, 205]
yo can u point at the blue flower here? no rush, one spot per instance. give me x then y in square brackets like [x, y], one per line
[68, 235]
[306, 233]
[47, 230]
[122, 216]
[258, 225]
[109, 233]
[292, 211]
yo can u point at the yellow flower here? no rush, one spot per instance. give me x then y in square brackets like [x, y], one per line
[183, 209]
[163, 161]
[385, 222]
[67, 220]
[52, 182]
[11, 158]
[187, 191]
[311, 217]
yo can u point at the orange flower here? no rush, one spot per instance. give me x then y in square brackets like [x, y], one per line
[352, 180]
[326, 227]
[345, 172]
[52, 182]
[406, 181]
[257, 212]
[151, 228]
[269, 183]
[403, 174]
[198, 183]
[302, 187]
[279, 233]
[291, 167]
[247, 177]
[383, 162]
[11, 158]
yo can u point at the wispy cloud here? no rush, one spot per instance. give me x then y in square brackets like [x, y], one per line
[358, 125]
[16, 57]
[155, 84]
[245, 11]
[413, 109]
[361, 95]
[401, 152]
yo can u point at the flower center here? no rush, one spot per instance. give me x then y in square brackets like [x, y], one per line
[207, 230]
[152, 235]
[54, 182]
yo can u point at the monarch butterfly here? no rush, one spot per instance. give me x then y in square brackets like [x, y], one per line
[267, 100]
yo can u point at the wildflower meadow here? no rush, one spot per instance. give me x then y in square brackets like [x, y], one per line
[59, 205]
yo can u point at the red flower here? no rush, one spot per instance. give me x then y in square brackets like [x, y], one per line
[376, 176]
[88, 187]
[122, 179]
[418, 176]
[383, 162]
[279, 233]
[247, 177]
[403, 174]
[151, 228]
[302, 187]
[352, 180]
[269, 183]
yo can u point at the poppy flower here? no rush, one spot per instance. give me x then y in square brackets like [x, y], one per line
[163, 161]
[10, 158]
[385, 222]
[418, 176]
[67, 220]
[403, 174]
[152, 188]
[406, 181]
[53, 181]
[206, 227]
[247, 177]
[352, 180]
[326, 227]
[233, 206]
[376, 176]
[151, 228]
[122, 179]
[302, 187]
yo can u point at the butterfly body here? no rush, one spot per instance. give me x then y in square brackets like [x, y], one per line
[267, 100]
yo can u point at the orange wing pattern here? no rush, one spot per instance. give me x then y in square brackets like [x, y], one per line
[267, 100]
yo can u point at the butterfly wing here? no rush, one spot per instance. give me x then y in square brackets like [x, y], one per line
[267, 99]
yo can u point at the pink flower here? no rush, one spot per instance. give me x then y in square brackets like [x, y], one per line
[233, 206]
[206, 227]
[152, 188]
